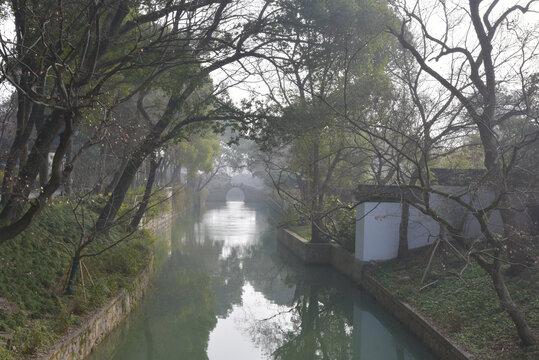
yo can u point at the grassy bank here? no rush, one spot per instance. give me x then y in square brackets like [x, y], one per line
[33, 269]
[302, 230]
[465, 307]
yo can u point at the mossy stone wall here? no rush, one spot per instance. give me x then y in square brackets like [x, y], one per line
[80, 342]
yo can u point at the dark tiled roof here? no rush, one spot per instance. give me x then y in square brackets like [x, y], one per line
[457, 177]
[440, 176]
[385, 193]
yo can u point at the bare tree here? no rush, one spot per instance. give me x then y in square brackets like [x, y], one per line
[480, 47]
[493, 51]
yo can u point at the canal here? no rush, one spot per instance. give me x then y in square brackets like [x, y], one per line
[224, 289]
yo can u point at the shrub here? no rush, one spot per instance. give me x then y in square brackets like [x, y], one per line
[27, 340]
[342, 226]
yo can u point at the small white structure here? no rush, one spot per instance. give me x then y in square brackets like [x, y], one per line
[378, 218]
[377, 230]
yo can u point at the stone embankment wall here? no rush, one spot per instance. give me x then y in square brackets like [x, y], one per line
[346, 263]
[79, 343]
[417, 324]
[321, 254]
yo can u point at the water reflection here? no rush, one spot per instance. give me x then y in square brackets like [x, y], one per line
[228, 292]
[235, 226]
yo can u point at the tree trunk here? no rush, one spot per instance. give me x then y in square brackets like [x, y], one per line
[316, 236]
[28, 116]
[150, 144]
[316, 204]
[316, 225]
[68, 180]
[158, 175]
[112, 184]
[403, 230]
[517, 252]
[28, 174]
[24, 153]
[22, 222]
[154, 164]
[6, 118]
[116, 198]
[19, 145]
[197, 204]
[44, 168]
[507, 303]
[44, 173]
[75, 266]
[405, 214]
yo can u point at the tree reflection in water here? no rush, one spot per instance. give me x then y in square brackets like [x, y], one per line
[319, 320]
[227, 292]
[182, 313]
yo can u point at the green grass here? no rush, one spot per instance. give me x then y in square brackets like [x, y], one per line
[467, 308]
[33, 269]
[302, 230]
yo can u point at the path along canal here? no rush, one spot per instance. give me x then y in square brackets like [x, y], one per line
[224, 289]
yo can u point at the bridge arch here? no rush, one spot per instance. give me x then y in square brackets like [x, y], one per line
[224, 192]
[235, 193]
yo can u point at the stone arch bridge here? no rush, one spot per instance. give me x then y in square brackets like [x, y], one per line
[251, 194]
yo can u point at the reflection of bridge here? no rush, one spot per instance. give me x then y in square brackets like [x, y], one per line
[251, 194]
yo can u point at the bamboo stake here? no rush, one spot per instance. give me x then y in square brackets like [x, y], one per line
[88, 272]
[82, 280]
[64, 285]
[430, 260]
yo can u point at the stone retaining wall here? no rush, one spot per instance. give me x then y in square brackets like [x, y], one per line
[79, 343]
[313, 254]
[321, 254]
[415, 322]
[346, 263]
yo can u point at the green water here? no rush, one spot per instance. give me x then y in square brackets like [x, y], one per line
[225, 290]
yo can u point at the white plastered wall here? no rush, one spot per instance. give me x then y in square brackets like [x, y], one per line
[377, 230]
[377, 226]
